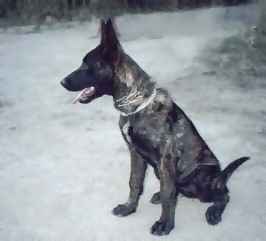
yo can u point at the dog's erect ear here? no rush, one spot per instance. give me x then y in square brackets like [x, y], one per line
[109, 41]
[108, 33]
[102, 28]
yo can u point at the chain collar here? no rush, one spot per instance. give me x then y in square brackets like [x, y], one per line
[136, 97]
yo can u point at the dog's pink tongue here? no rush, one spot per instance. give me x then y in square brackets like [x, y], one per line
[87, 92]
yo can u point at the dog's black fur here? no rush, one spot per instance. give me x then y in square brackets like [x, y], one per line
[159, 134]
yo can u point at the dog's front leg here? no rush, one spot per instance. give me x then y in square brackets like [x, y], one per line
[168, 194]
[137, 175]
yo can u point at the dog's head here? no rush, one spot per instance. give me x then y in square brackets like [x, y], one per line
[95, 76]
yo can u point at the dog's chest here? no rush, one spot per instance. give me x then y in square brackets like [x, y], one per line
[143, 130]
[145, 135]
[125, 131]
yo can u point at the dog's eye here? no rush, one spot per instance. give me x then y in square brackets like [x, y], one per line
[98, 65]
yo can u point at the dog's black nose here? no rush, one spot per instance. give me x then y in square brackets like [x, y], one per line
[64, 83]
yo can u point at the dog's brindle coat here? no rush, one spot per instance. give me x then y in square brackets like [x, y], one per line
[156, 131]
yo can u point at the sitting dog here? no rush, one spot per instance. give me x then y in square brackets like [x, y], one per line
[156, 131]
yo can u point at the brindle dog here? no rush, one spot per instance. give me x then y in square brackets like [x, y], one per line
[156, 131]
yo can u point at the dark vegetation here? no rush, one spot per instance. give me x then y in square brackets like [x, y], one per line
[36, 11]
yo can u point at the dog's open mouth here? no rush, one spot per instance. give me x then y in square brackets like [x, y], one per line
[85, 96]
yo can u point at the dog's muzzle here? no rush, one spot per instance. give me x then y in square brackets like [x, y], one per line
[65, 84]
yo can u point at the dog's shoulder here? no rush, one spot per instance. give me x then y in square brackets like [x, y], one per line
[165, 104]
[162, 101]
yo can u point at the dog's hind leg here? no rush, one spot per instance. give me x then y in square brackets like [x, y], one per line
[214, 212]
[220, 192]
[137, 175]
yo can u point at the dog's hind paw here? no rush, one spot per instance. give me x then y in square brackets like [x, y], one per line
[161, 228]
[213, 215]
[123, 210]
[156, 198]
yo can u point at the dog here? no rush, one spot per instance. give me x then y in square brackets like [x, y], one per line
[157, 132]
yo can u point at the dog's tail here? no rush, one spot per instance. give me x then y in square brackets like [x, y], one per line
[222, 179]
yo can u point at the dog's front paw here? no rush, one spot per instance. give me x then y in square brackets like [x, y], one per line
[124, 210]
[213, 215]
[156, 198]
[162, 228]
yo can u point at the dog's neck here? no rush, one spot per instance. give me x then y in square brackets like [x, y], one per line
[133, 88]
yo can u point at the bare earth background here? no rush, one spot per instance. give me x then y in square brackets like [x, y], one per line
[64, 167]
